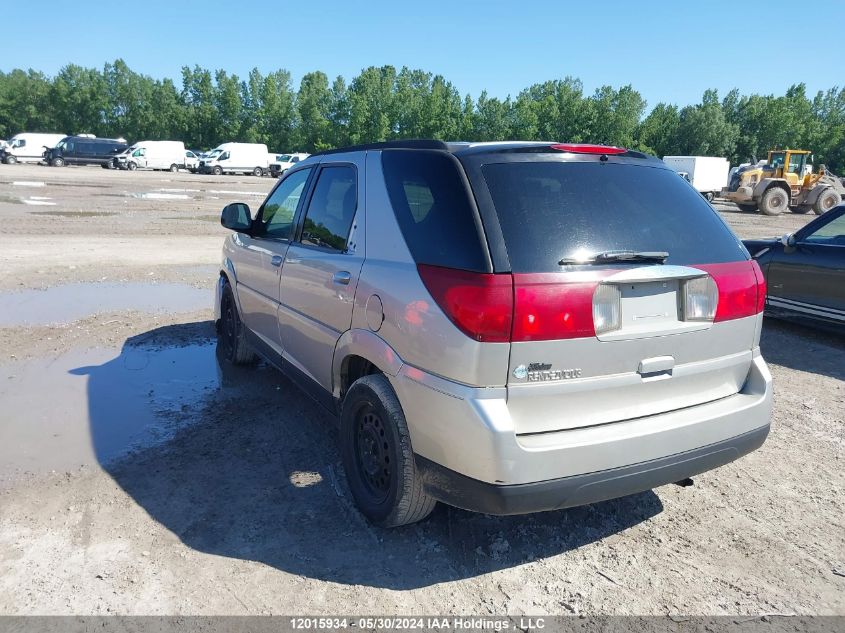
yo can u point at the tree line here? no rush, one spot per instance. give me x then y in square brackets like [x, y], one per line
[383, 103]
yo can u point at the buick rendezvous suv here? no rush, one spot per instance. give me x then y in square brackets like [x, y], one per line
[503, 327]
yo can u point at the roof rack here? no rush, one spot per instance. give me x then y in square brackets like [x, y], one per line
[403, 144]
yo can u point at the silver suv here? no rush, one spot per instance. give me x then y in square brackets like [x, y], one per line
[504, 327]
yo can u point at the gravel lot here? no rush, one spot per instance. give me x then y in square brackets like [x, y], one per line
[137, 476]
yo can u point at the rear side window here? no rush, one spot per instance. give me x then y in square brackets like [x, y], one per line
[554, 210]
[433, 208]
[331, 209]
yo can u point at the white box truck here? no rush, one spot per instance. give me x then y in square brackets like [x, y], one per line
[28, 147]
[153, 155]
[236, 158]
[708, 174]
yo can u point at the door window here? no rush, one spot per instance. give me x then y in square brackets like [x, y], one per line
[332, 208]
[279, 209]
[796, 163]
[139, 152]
[832, 233]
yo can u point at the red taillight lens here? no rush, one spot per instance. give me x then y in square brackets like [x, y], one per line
[479, 304]
[739, 289]
[584, 148]
[547, 309]
[761, 286]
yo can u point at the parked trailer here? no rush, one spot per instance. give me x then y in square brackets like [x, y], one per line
[153, 155]
[708, 174]
[28, 147]
[236, 158]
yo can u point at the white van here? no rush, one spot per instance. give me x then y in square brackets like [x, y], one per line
[153, 155]
[236, 158]
[279, 163]
[28, 147]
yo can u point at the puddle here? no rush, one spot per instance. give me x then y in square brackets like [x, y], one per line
[203, 218]
[74, 214]
[71, 302]
[153, 195]
[28, 183]
[102, 403]
[238, 193]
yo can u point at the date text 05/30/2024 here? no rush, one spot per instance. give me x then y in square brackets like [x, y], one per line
[418, 623]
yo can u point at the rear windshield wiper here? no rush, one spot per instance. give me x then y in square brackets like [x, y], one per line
[618, 256]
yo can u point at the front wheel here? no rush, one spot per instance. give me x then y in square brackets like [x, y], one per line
[231, 334]
[58, 162]
[131, 166]
[826, 201]
[11, 160]
[377, 455]
[710, 196]
[217, 171]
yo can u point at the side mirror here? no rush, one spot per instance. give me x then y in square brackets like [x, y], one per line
[236, 217]
[787, 240]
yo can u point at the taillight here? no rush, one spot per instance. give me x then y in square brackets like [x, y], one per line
[739, 289]
[479, 304]
[762, 289]
[699, 299]
[586, 148]
[546, 309]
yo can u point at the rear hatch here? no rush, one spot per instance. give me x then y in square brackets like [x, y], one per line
[631, 296]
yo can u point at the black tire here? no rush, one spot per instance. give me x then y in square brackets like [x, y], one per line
[10, 160]
[217, 171]
[258, 172]
[826, 201]
[174, 168]
[58, 162]
[131, 166]
[747, 208]
[710, 196]
[231, 334]
[800, 209]
[774, 201]
[377, 456]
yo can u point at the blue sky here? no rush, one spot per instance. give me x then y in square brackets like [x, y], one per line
[669, 51]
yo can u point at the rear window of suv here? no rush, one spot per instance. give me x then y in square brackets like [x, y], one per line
[433, 207]
[554, 210]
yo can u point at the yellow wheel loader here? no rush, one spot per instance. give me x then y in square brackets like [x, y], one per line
[784, 182]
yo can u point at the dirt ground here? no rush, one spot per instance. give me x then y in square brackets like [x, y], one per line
[139, 476]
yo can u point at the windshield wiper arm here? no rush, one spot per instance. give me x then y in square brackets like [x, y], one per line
[618, 256]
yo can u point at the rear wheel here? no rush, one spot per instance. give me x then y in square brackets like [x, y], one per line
[58, 162]
[258, 172]
[377, 455]
[747, 208]
[826, 201]
[174, 167]
[709, 195]
[774, 201]
[231, 334]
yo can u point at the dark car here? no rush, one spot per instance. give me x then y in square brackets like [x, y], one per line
[805, 271]
[84, 150]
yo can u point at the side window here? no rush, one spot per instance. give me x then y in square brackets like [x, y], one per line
[796, 163]
[223, 156]
[295, 159]
[332, 208]
[279, 209]
[832, 233]
[21, 143]
[138, 152]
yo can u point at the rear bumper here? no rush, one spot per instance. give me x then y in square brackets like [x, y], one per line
[566, 492]
[472, 432]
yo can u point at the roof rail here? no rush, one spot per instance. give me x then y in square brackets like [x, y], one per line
[402, 144]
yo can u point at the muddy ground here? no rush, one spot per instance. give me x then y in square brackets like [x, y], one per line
[139, 476]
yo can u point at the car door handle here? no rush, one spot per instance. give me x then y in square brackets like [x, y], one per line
[342, 277]
[277, 260]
